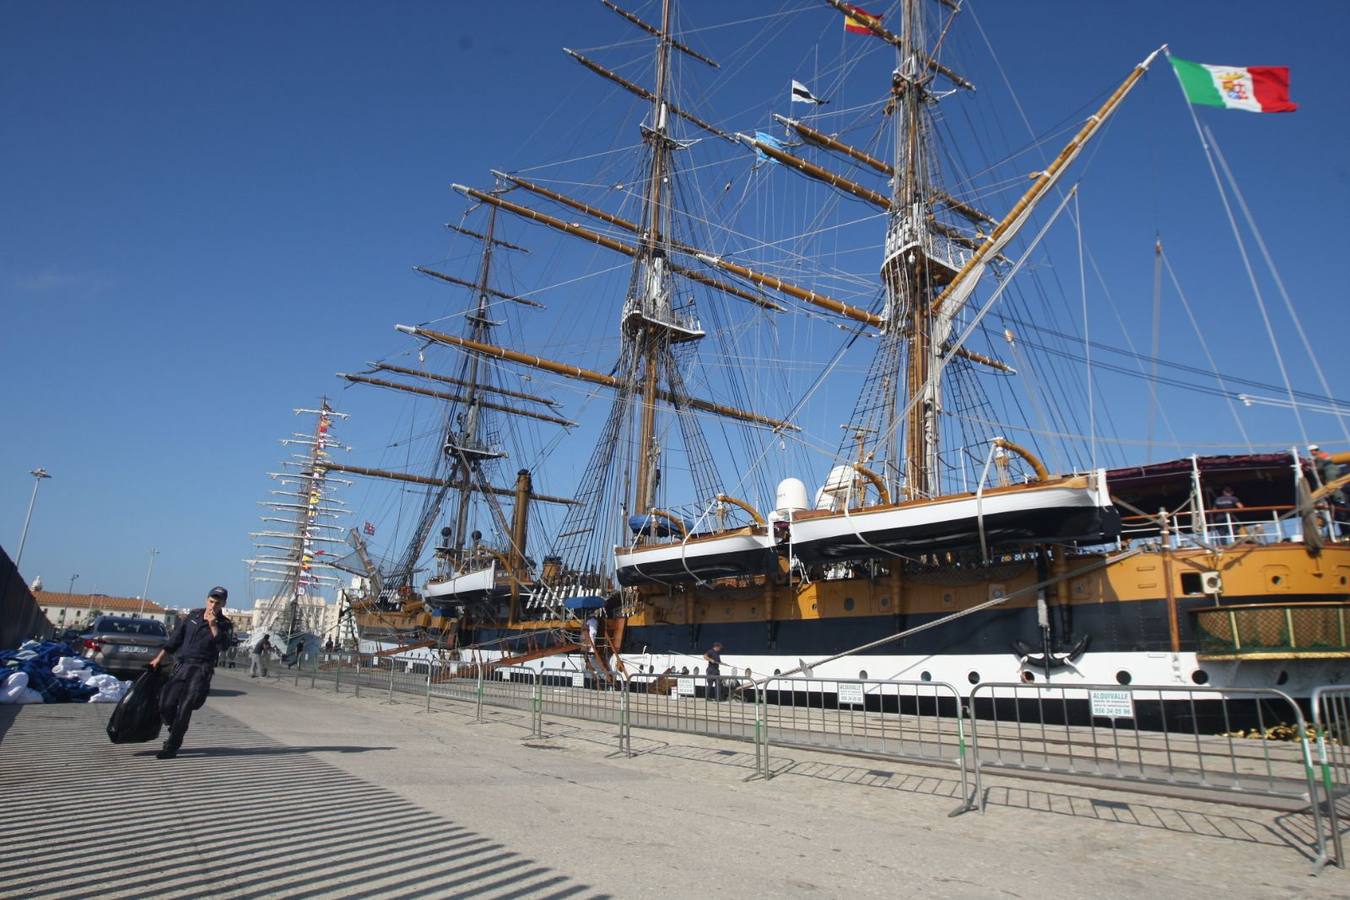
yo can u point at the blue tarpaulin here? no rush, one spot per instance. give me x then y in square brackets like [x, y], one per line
[584, 602]
[38, 661]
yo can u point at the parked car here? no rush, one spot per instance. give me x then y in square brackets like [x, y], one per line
[123, 644]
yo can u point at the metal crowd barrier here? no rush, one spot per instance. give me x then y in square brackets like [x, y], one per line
[915, 721]
[1168, 736]
[595, 697]
[724, 706]
[1331, 724]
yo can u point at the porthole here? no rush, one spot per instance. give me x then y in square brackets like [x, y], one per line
[684, 670]
[1282, 678]
[778, 671]
[1200, 676]
[1028, 677]
[1276, 579]
[695, 670]
[926, 676]
[728, 610]
[862, 675]
[1123, 677]
[947, 598]
[973, 677]
[886, 601]
[1344, 581]
[848, 603]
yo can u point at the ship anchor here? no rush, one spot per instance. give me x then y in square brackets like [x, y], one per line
[1047, 660]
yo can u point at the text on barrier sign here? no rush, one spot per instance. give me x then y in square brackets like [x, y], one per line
[685, 687]
[850, 695]
[578, 679]
[1112, 704]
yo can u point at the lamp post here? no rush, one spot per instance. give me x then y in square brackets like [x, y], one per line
[146, 591]
[38, 475]
[73, 579]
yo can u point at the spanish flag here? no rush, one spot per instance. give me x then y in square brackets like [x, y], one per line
[857, 18]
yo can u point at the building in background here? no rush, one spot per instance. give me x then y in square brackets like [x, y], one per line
[79, 611]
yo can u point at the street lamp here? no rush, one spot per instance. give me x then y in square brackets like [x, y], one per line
[146, 592]
[38, 475]
[73, 579]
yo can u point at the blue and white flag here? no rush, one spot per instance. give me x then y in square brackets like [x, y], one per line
[802, 94]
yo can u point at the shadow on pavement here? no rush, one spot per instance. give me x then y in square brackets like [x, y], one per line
[282, 821]
[188, 751]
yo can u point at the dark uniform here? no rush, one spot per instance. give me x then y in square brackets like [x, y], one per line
[714, 658]
[195, 651]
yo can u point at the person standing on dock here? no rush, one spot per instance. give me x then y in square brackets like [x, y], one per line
[196, 644]
[258, 657]
[714, 659]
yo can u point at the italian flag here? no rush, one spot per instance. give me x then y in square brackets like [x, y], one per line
[1253, 88]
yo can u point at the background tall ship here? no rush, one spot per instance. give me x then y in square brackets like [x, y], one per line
[847, 412]
[299, 539]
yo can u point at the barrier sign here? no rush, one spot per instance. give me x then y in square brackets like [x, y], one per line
[851, 695]
[685, 687]
[578, 679]
[1112, 704]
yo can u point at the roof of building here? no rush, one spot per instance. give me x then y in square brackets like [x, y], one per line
[100, 602]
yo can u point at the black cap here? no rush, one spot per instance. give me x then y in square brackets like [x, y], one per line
[219, 593]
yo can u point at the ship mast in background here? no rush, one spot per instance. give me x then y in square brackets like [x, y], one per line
[296, 559]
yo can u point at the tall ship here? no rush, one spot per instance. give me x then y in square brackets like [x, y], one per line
[291, 571]
[829, 398]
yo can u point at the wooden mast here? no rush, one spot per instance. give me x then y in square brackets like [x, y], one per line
[654, 285]
[469, 464]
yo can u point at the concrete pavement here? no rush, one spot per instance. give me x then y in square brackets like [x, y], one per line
[285, 791]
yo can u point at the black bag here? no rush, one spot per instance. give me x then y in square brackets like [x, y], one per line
[135, 720]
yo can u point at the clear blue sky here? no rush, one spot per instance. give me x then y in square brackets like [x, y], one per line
[211, 208]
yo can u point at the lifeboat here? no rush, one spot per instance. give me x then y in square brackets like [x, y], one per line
[1073, 509]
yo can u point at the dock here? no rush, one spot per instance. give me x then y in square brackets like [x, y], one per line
[282, 790]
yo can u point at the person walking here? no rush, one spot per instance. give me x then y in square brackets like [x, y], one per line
[714, 659]
[196, 644]
[258, 657]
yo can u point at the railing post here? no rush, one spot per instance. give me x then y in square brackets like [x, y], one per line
[625, 724]
[966, 804]
[299, 666]
[478, 712]
[358, 674]
[391, 682]
[314, 673]
[976, 799]
[337, 676]
[762, 731]
[537, 707]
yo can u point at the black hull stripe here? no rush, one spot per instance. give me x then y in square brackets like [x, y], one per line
[1135, 626]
